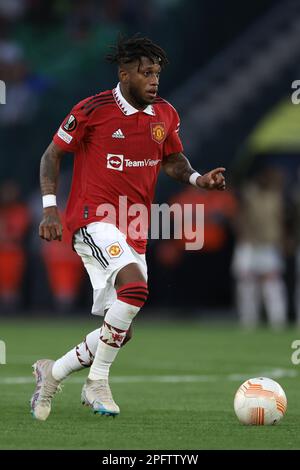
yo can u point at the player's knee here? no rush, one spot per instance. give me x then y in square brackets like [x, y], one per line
[134, 294]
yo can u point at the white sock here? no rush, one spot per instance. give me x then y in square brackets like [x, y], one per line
[79, 357]
[275, 298]
[248, 301]
[117, 321]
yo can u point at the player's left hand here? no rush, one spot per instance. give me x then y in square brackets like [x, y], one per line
[214, 179]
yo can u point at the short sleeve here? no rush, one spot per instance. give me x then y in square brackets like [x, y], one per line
[173, 144]
[72, 130]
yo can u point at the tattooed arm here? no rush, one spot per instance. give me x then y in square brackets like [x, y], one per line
[50, 227]
[178, 167]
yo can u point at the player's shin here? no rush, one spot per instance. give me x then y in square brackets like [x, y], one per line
[130, 298]
[112, 334]
[77, 358]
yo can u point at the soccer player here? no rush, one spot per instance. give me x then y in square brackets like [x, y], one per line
[121, 138]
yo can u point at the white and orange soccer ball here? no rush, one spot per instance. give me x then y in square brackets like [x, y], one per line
[260, 401]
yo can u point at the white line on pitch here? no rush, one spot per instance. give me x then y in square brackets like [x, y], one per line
[273, 373]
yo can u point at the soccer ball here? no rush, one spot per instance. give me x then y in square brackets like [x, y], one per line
[260, 401]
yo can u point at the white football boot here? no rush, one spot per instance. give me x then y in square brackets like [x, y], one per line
[46, 387]
[97, 395]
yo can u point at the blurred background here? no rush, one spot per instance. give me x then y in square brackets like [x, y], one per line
[232, 66]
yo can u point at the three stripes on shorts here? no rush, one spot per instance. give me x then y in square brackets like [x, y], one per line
[96, 250]
[134, 293]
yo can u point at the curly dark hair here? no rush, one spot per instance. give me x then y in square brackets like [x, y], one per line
[132, 49]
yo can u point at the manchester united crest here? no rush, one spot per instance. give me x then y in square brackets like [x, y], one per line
[114, 250]
[158, 131]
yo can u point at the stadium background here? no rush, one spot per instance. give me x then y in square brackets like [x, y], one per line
[52, 56]
[230, 77]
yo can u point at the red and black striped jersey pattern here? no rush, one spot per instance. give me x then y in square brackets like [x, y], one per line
[100, 99]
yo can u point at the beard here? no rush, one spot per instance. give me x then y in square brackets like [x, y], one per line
[138, 98]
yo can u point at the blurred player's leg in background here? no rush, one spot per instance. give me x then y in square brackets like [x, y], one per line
[275, 300]
[258, 273]
[247, 289]
[248, 301]
[270, 266]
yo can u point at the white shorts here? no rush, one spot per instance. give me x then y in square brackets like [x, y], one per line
[104, 251]
[249, 259]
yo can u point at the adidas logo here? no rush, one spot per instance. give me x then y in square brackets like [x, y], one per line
[118, 134]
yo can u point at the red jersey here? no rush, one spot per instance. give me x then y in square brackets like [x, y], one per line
[118, 152]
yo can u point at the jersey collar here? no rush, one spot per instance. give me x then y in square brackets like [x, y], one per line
[126, 107]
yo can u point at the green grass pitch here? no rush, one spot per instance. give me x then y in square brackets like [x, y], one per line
[174, 383]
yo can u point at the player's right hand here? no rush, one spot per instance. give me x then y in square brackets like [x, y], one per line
[51, 227]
